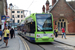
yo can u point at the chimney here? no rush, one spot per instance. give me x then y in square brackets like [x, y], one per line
[53, 2]
[47, 5]
[43, 9]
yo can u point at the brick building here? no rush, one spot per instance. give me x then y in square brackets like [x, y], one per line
[64, 15]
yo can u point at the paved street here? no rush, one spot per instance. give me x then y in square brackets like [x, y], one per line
[13, 44]
[48, 46]
[19, 43]
[69, 41]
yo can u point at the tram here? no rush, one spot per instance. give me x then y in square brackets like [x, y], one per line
[39, 28]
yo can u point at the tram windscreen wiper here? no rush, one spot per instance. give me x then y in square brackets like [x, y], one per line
[40, 29]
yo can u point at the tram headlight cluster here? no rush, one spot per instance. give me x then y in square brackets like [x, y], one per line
[38, 35]
[51, 35]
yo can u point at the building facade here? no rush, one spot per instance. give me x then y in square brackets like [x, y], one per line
[64, 15]
[3, 10]
[17, 15]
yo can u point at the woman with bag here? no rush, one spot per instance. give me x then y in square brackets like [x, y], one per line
[6, 35]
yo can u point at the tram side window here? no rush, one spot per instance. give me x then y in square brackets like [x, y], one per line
[32, 27]
[28, 27]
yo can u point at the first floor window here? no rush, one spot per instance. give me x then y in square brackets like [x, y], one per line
[18, 21]
[21, 16]
[18, 11]
[12, 16]
[13, 21]
[18, 16]
[13, 11]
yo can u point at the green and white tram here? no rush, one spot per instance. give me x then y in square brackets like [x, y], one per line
[39, 28]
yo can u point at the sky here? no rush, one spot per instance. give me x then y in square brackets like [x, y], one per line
[35, 6]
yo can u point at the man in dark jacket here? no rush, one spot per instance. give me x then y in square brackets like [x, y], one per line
[12, 32]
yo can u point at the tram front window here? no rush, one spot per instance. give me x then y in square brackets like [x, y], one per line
[44, 22]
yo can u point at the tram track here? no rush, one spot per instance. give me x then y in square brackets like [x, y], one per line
[37, 45]
[41, 47]
[44, 46]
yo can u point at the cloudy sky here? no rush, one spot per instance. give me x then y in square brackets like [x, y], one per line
[35, 6]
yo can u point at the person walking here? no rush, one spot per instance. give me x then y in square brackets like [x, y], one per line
[12, 32]
[63, 32]
[56, 31]
[6, 35]
[1, 34]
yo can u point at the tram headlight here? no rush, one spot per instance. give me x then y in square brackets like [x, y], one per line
[51, 35]
[38, 35]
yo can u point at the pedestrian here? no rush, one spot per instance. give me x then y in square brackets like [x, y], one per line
[56, 32]
[6, 35]
[63, 33]
[9, 28]
[1, 34]
[12, 32]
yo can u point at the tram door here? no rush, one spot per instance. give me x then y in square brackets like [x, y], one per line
[61, 23]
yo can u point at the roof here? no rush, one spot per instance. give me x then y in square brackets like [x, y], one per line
[70, 4]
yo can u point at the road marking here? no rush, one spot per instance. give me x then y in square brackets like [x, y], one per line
[65, 47]
[25, 44]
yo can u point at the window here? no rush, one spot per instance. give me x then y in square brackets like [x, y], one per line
[65, 25]
[59, 19]
[62, 19]
[13, 21]
[18, 16]
[13, 11]
[18, 21]
[18, 11]
[21, 16]
[21, 11]
[12, 16]
[58, 26]
[61, 23]
[44, 22]
[30, 27]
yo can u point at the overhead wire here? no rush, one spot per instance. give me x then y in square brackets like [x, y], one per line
[31, 4]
